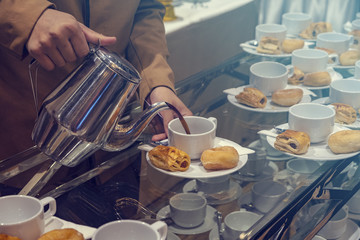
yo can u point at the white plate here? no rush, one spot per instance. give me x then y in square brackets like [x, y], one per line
[58, 223]
[316, 151]
[326, 101]
[352, 231]
[270, 107]
[196, 169]
[207, 225]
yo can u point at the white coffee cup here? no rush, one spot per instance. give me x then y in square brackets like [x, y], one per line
[304, 167]
[24, 216]
[357, 70]
[354, 203]
[315, 119]
[345, 91]
[202, 137]
[213, 185]
[267, 194]
[355, 24]
[131, 229]
[238, 222]
[269, 76]
[296, 22]
[188, 210]
[310, 60]
[270, 30]
[338, 42]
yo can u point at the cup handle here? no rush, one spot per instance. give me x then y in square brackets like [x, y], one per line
[52, 206]
[334, 57]
[161, 228]
[290, 69]
[214, 120]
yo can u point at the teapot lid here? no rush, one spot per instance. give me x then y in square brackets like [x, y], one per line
[118, 64]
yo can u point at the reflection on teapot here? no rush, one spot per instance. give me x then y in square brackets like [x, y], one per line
[81, 115]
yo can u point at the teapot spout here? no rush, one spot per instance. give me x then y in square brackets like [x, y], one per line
[125, 135]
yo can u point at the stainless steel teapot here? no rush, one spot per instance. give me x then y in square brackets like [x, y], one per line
[81, 115]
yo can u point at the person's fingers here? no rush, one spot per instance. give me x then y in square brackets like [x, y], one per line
[158, 137]
[67, 51]
[45, 62]
[94, 37]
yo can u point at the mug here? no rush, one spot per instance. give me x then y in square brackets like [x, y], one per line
[213, 185]
[24, 216]
[315, 119]
[296, 22]
[357, 70]
[338, 42]
[354, 203]
[267, 194]
[131, 229]
[355, 24]
[345, 91]
[304, 167]
[310, 60]
[270, 30]
[202, 137]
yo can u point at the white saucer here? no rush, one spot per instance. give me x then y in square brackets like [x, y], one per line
[317, 151]
[228, 195]
[196, 169]
[214, 233]
[352, 231]
[270, 170]
[207, 225]
[58, 223]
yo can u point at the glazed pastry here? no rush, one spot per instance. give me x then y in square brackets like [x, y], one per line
[289, 45]
[8, 237]
[349, 58]
[220, 158]
[252, 97]
[287, 97]
[169, 158]
[291, 141]
[317, 79]
[297, 77]
[345, 141]
[62, 234]
[314, 29]
[344, 113]
[269, 45]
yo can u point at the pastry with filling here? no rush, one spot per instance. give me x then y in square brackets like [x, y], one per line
[8, 237]
[169, 158]
[292, 141]
[289, 45]
[317, 79]
[315, 29]
[62, 234]
[297, 77]
[220, 158]
[252, 97]
[345, 113]
[344, 141]
[269, 45]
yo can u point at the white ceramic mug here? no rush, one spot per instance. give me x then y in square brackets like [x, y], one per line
[354, 203]
[188, 210]
[213, 185]
[357, 70]
[338, 42]
[238, 222]
[315, 119]
[296, 22]
[270, 30]
[131, 229]
[269, 76]
[202, 137]
[345, 91]
[355, 24]
[24, 216]
[304, 167]
[310, 60]
[267, 194]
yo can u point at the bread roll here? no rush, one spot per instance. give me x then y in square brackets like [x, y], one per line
[349, 58]
[297, 77]
[289, 45]
[287, 97]
[345, 141]
[291, 141]
[269, 45]
[252, 97]
[329, 51]
[62, 234]
[169, 158]
[220, 158]
[8, 237]
[314, 29]
[317, 79]
[344, 113]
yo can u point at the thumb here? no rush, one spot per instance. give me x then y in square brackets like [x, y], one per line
[94, 37]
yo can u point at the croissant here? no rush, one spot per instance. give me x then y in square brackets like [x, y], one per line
[252, 97]
[291, 141]
[169, 158]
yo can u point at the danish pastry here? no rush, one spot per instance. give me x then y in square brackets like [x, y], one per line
[317, 79]
[344, 113]
[269, 45]
[349, 58]
[289, 45]
[287, 97]
[169, 158]
[252, 97]
[297, 77]
[314, 29]
[292, 141]
[8, 237]
[345, 141]
[220, 158]
[62, 234]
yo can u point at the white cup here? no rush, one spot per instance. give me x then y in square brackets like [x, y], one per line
[188, 210]
[354, 203]
[338, 42]
[357, 15]
[315, 119]
[269, 76]
[238, 222]
[270, 30]
[355, 24]
[24, 216]
[345, 91]
[296, 22]
[202, 137]
[304, 167]
[131, 229]
[357, 70]
[213, 185]
[267, 194]
[310, 60]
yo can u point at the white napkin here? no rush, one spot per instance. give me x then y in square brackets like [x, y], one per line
[57, 223]
[235, 91]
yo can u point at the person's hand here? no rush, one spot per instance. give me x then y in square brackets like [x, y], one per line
[58, 38]
[164, 94]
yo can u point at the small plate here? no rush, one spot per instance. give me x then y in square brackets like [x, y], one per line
[317, 151]
[352, 231]
[58, 223]
[214, 233]
[196, 169]
[207, 225]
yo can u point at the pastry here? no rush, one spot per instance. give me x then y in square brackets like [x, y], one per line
[289, 45]
[62, 234]
[219, 158]
[344, 113]
[169, 158]
[252, 97]
[287, 97]
[269, 45]
[8, 237]
[329, 51]
[297, 77]
[317, 79]
[349, 58]
[314, 29]
[345, 141]
[292, 141]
